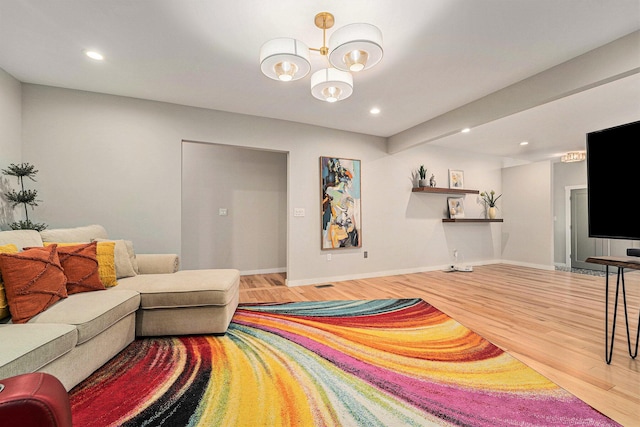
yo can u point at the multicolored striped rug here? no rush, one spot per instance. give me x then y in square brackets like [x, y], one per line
[332, 363]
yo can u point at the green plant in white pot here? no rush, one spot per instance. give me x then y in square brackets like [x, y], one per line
[422, 173]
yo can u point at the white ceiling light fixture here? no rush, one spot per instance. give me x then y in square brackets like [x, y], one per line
[94, 55]
[354, 48]
[573, 156]
[331, 85]
[285, 59]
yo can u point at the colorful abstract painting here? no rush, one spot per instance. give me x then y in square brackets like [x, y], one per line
[340, 191]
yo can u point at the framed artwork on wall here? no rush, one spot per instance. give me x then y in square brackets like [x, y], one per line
[340, 203]
[456, 178]
[456, 207]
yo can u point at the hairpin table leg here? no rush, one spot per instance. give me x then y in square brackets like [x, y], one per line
[633, 354]
[608, 353]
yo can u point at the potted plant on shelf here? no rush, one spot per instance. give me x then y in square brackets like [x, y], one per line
[422, 172]
[23, 197]
[489, 198]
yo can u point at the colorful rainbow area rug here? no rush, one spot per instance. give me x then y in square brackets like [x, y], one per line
[397, 362]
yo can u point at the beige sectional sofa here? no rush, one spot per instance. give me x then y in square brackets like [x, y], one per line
[78, 334]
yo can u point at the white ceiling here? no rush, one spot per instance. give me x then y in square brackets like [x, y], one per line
[438, 55]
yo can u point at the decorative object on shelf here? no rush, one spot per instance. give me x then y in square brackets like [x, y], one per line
[352, 48]
[573, 156]
[489, 198]
[432, 181]
[492, 212]
[23, 197]
[340, 203]
[456, 178]
[456, 207]
[422, 173]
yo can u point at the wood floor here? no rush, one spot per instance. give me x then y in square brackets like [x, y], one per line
[551, 320]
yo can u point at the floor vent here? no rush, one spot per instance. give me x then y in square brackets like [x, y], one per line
[326, 285]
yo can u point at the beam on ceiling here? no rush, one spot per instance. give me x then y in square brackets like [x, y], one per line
[613, 61]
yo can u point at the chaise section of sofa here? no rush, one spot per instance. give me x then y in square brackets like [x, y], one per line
[186, 302]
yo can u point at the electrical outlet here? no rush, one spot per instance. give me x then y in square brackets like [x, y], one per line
[223, 212]
[328, 257]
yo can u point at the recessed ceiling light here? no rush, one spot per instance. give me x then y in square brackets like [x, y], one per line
[524, 143]
[94, 55]
[466, 130]
[375, 110]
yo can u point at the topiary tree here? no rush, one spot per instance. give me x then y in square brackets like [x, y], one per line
[23, 197]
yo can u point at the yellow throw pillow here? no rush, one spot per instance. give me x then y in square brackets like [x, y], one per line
[4, 306]
[123, 258]
[105, 254]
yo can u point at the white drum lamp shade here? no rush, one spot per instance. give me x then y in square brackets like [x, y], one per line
[285, 59]
[355, 47]
[331, 85]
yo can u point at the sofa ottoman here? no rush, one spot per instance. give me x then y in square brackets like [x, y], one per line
[185, 302]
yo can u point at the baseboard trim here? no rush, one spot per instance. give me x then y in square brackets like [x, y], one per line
[315, 281]
[263, 271]
[527, 264]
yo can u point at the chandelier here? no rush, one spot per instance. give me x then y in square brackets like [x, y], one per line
[352, 48]
[573, 156]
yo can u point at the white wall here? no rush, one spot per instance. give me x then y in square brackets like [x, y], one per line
[10, 140]
[251, 185]
[528, 231]
[564, 175]
[117, 161]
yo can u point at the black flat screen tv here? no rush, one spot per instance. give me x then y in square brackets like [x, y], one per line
[613, 182]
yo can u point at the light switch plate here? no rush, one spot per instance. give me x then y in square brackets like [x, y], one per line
[298, 212]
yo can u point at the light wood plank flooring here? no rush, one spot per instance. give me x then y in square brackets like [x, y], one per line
[551, 320]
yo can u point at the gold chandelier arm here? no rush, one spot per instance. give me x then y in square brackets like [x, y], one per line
[324, 20]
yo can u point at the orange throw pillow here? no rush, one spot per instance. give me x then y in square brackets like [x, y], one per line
[80, 265]
[4, 307]
[106, 261]
[33, 281]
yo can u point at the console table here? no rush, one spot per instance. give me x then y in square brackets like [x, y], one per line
[622, 263]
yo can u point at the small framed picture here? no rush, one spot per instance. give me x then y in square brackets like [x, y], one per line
[456, 207]
[456, 178]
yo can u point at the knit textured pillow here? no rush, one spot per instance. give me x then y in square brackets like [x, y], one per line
[106, 261]
[124, 257]
[80, 265]
[4, 306]
[33, 280]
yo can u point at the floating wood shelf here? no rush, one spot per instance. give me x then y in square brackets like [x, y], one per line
[443, 190]
[471, 220]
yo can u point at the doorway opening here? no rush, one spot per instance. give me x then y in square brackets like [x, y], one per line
[234, 208]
